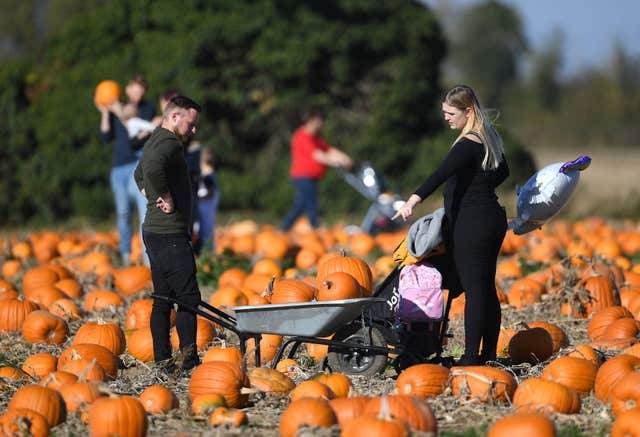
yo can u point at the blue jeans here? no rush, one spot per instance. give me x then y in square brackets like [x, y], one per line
[126, 194]
[306, 201]
[207, 209]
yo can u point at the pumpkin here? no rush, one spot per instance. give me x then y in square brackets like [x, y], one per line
[267, 266]
[257, 282]
[270, 381]
[107, 359]
[79, 394]
[306, 412]
[107, 92]
[306, 259]
[227, 416]
[576, 373]
[23, 421]
[611, 372]
[626, 424]
[602, 292]
[125, 415]
[223, 353]
[205, 332]
[288, 367]
[157, 399]
[486, 384]
[524, 292]
[292, 290]
[586, 352]
[339, 383]
[44, 327]
[205, 404]
[348, 408]
[233, 277]
[11, 268]
[42, 400]
[269, 345]
[535, 394]
[530, 345]
[57, 379]
[70, 287]
[558, 336]
[625, 327]
[339, 285]
[102, 300]
[374, 426]
[415, 412]
[311, 389]
[66, 309]
[356, 267]
[523, 425]
[626, 393]
[86, 369]
[362, 243]
[39, 365]
[603, 318]
[140, 344]
[139, 314]
[38, 277]
[13, 312]
[107, 334]
[423, 380]
[228, 297]
[132, 280]
[222, 378]
[44, 295]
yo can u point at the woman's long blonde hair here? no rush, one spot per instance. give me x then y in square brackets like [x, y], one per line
[463, 97]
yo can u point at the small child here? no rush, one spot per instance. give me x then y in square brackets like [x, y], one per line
[208, 197]
[128, 114]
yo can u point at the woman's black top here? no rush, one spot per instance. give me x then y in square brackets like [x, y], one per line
[467, 184]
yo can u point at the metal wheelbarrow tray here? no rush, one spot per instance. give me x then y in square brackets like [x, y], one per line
[311, 319]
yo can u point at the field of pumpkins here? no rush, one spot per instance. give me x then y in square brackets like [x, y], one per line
[76, 356]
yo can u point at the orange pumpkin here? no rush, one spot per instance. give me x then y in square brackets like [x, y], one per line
[157, 399]
[22, 421]
[42, 400]
[423, 380]
[125, 415]
[338, 286]
[306, 412]
[523, 425]
[222, 378]
[356, 267]
[107, 92]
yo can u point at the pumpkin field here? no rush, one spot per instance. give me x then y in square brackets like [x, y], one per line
[77, 356]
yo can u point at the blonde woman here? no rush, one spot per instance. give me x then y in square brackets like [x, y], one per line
[476, 223]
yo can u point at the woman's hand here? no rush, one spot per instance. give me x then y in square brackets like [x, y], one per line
[407, 209]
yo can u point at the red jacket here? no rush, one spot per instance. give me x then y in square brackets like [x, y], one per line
[303, 165]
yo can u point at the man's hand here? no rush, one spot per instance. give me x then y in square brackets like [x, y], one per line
[165, 203]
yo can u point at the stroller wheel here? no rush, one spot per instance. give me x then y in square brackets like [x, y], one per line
[357, 361]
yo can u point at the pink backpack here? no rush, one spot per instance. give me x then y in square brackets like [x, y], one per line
[420, 289]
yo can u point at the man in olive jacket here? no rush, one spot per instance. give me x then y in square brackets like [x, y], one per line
[163, 177]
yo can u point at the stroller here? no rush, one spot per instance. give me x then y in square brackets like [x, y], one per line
[412, 343]
[369, 182]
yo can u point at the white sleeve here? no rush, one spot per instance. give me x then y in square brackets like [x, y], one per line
[136, 125]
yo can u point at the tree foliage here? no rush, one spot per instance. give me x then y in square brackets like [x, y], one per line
[253, 64]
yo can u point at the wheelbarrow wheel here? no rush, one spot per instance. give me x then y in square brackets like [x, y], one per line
[357, 361]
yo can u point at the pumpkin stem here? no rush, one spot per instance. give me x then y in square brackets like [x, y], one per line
[385, 410]
[328, 284]
[269, 290]
[85, 372]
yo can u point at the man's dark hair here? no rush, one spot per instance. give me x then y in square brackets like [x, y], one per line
[182, 102]
[312, 112]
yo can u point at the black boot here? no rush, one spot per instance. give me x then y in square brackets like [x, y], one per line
[468, 360]
[190, 358]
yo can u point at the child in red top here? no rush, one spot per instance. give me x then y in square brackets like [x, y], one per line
[310, 156]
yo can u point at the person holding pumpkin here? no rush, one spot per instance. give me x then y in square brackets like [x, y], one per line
[475, 222]
[163, 177]
[125, 159]
[310, 156]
